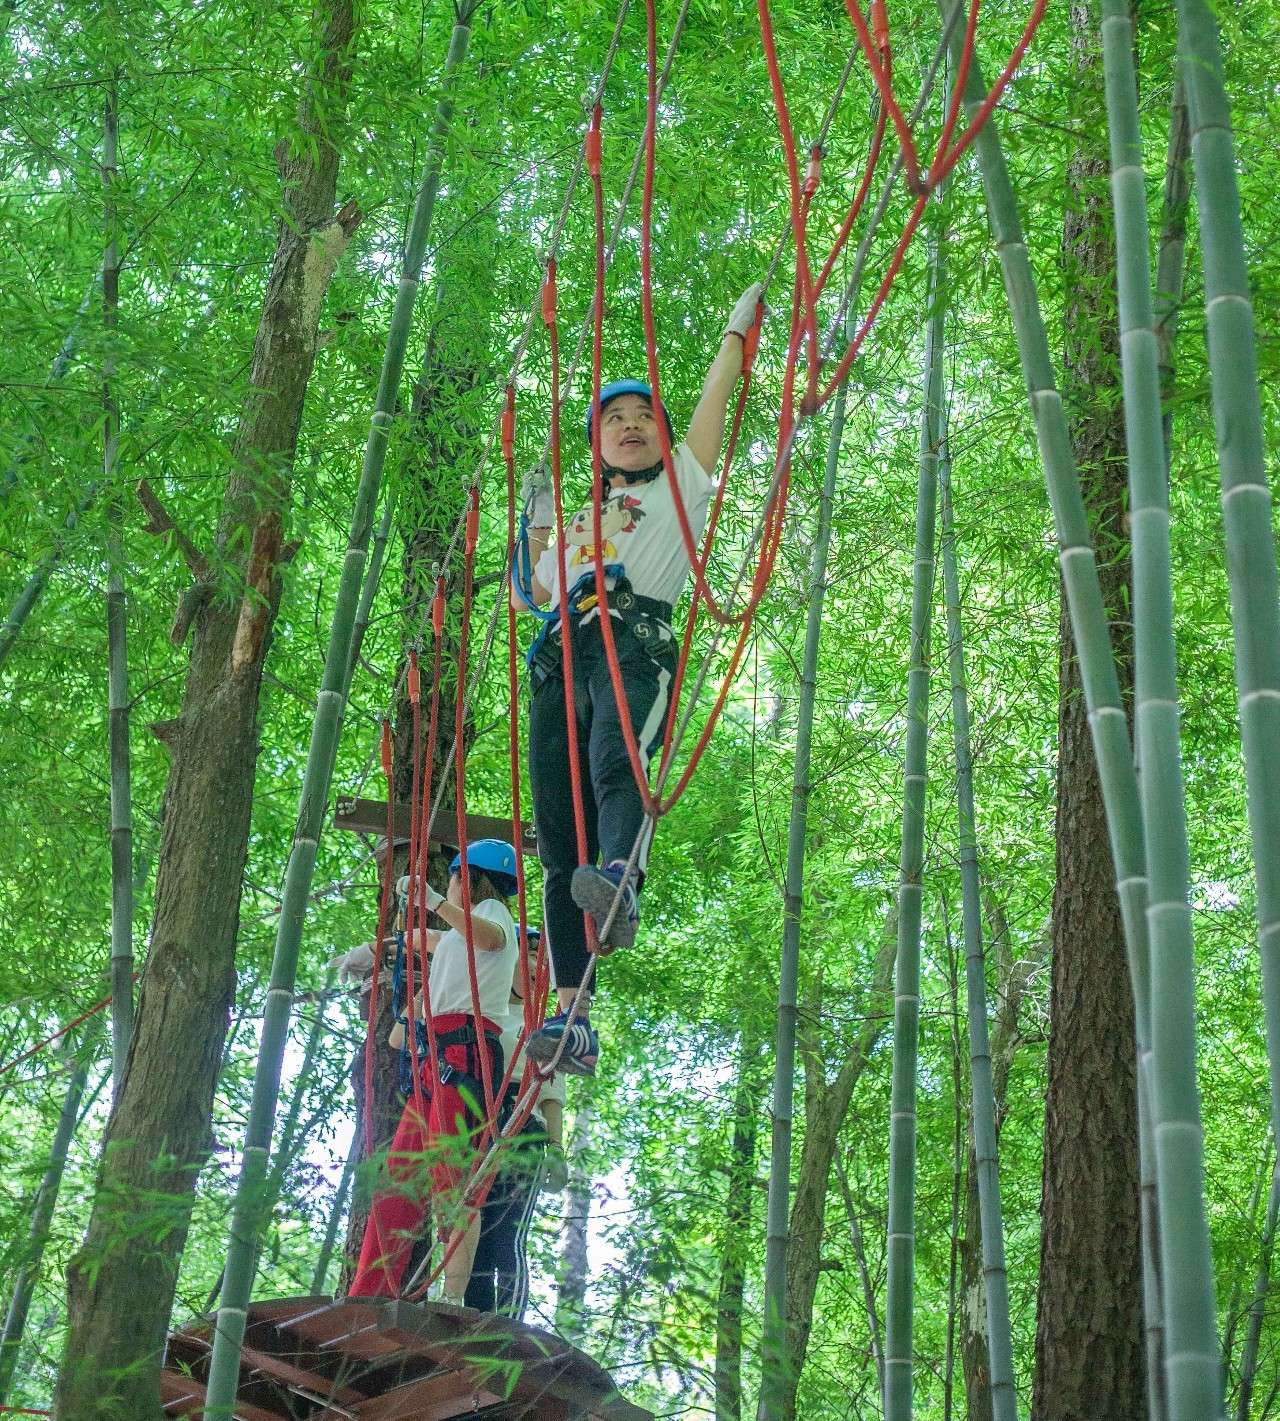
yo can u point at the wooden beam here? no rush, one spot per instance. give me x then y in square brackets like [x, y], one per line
[184, 1396]
[434, 1398]
[369, 816]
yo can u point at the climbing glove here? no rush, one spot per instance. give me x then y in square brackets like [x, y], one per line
[555, 1175]
[537, 499]
[433, 900]
[355, 965]
[744, 313]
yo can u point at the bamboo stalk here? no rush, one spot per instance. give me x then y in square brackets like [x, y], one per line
[320, 1278]
[15, 1321]
[33, 588]
[995, 1276]
[1175, 1097]
[1172, 251]
[1258, 1307]
[1246, 496]
[774, 1352]
[224, 1365]
[117, 633]
[900, 1247]
[57, 370]
[864, 1274]
[1179, 1164]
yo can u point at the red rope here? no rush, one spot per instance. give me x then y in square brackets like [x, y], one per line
[415, 910]
[384, 901]
[459, 768]
[944, 165]
[61, 1032]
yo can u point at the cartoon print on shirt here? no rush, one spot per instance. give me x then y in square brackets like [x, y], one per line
[620, 514]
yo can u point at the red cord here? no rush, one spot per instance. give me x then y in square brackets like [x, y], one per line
[61, 1032]
[384, 900]
[459, 771]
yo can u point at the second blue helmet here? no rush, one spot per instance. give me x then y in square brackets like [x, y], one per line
[492, 856]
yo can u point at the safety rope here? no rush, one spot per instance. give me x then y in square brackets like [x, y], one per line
[875, 43]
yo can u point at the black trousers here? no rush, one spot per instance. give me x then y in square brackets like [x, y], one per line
[611, 799]
[499, 1279]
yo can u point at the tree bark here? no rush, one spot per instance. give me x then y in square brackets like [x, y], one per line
[825, 1108]
[121, 1283]
[572, 1295]
[443, 435]
[737, 1234]
[1090, 1356]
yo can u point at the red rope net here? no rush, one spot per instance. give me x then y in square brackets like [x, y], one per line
[806, 388]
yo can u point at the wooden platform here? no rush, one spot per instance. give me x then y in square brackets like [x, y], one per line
[369, 816]
[371, 1360]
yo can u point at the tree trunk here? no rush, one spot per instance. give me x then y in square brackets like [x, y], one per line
[737, 1234]
[121, 1283]
[825, 1108]
[573, 1229]
[1090, 1355]
[442, 437]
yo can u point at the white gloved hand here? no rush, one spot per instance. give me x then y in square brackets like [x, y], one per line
[353, 966]
[434, 899]
[744, 313]
[555, 1174]
[538, 499]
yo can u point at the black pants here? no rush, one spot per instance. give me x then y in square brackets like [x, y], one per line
[611, 799]
[500, 1274]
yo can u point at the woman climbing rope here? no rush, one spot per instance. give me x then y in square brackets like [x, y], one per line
[531, 1164]
[431, 1148]
[647, 566]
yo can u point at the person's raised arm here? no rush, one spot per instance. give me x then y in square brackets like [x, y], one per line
[487, 935]
[706, 428]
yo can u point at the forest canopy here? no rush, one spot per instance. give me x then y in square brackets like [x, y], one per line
[151, 473]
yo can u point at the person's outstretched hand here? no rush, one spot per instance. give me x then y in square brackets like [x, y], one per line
[353, 966]
[744, 313]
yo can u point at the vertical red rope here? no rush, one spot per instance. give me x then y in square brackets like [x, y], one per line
[424, 826]
[415, 900]
[551, 322]
[384, 901]
[459, 770]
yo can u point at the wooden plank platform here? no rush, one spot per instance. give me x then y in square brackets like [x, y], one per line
[369, 816]
[314, 1359]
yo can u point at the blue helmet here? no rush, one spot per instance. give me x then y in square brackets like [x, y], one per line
[532, 935]
[492, 856]
[615, 388]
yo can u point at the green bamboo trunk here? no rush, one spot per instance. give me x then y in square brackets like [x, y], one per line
[24, 1282]
[1258, 1307]
[1246, 496]
[1169, 1072]
[33, 588]
[117, 635]
[775, 1353]
[1004, 1397]
[1179, 1155]
[247, 1218]
[900, 1249]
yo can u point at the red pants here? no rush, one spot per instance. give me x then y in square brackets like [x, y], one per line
[427, 1157]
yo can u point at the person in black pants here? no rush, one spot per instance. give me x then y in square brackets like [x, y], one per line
[533, 1163]
[642, 548]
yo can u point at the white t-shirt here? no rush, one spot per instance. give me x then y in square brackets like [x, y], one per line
[512, 1024]
[640, 530]
[495, 971]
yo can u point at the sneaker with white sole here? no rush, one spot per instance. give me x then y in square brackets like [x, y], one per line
[581, 1044]
[595, 890]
